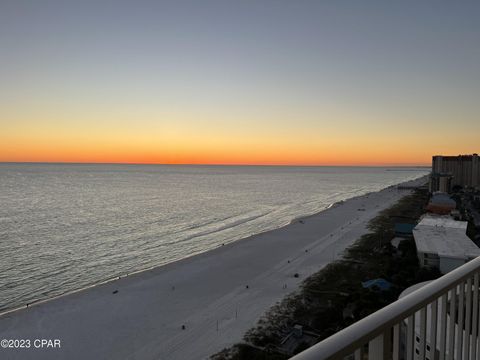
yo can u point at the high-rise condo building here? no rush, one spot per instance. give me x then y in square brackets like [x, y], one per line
[450, 171]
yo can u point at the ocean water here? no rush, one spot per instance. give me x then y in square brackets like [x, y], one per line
[67, 226]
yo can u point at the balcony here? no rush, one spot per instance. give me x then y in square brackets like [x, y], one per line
[439, 321]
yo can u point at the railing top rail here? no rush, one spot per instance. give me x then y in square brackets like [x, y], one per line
[351, 338]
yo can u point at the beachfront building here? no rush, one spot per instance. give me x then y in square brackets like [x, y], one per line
[443, 243]
[441, 182]
[451, 171]
[441, 204]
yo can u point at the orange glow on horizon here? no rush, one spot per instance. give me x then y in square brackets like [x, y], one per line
[181, 140]
[253, 156]
[218, 150]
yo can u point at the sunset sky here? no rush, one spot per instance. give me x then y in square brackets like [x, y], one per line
[239, 82]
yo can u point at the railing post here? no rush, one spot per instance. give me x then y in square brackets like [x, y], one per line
[468, 318]
[423, 334]
[379, 347]
[460, 320]
[358, 354]
[451, 325]
[410, 337]
[473, 351]
[442, 342]
[433, 329]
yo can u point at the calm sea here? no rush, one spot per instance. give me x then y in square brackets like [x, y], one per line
[64, 227]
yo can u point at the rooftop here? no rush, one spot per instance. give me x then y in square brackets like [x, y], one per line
[442, 199]
[382, 284]
[444, 236]
[442, 221]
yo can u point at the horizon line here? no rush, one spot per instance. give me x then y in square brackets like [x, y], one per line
[211, 164]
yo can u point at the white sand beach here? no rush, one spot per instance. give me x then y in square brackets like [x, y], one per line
[207, 293]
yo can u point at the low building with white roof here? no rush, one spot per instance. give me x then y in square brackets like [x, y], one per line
[443, 243]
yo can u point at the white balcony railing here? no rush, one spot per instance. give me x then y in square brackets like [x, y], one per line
[439, 321]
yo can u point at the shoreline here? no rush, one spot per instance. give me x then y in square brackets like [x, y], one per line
[121, 276]
[168, 281]
[135, 272]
